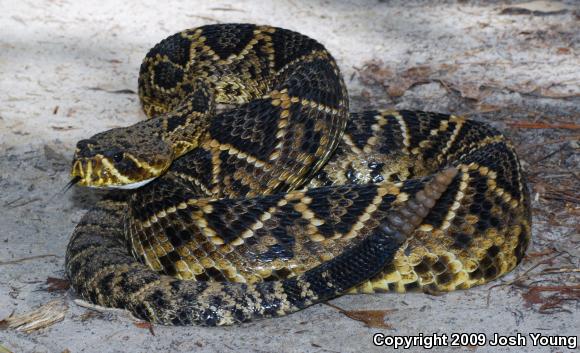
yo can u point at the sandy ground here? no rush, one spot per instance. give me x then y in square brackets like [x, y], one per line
[68, 69]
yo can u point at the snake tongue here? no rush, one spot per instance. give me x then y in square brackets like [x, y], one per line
[70, 184]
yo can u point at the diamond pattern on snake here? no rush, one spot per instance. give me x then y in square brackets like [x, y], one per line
[287, 199]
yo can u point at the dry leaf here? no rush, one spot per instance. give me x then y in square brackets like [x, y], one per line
[563, 51]
[397, 83]
[407, 79]
[540, 7]
[417, 73]
[371, 318]
[397, 90]
[555, 301]
[145, 325]
[57, 284]
[375, 72]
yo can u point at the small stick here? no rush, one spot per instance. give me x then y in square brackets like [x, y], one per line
[34, 199]
[560, 270]
[26, 259]
[520, 277]
[537, 125]
[43, 316]
[552, 142]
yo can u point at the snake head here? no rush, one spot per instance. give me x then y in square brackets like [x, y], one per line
[124, 158]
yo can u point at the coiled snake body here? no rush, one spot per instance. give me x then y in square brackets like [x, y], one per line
[287, 199]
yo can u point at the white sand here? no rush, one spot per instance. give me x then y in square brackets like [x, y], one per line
[59, 61]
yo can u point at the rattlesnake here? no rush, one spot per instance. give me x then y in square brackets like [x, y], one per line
[287, 199]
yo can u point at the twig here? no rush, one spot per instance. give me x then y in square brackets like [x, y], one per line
[548, 155]
[101, 309]
[560, 270]
[121, 313]
[34, 199]
[521, 277]
[206, 18]
[8, 203]
[226, 9]
[561, 195]
[43, 316]
[26, 259]
[341, 310]
[552, 142]
[118, 91]
[538, 125]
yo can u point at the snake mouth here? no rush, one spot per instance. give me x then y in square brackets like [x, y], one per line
[99, 172]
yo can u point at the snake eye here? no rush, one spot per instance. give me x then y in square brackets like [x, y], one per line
[118, 157]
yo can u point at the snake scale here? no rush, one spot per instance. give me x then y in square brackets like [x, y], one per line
[256, 193]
